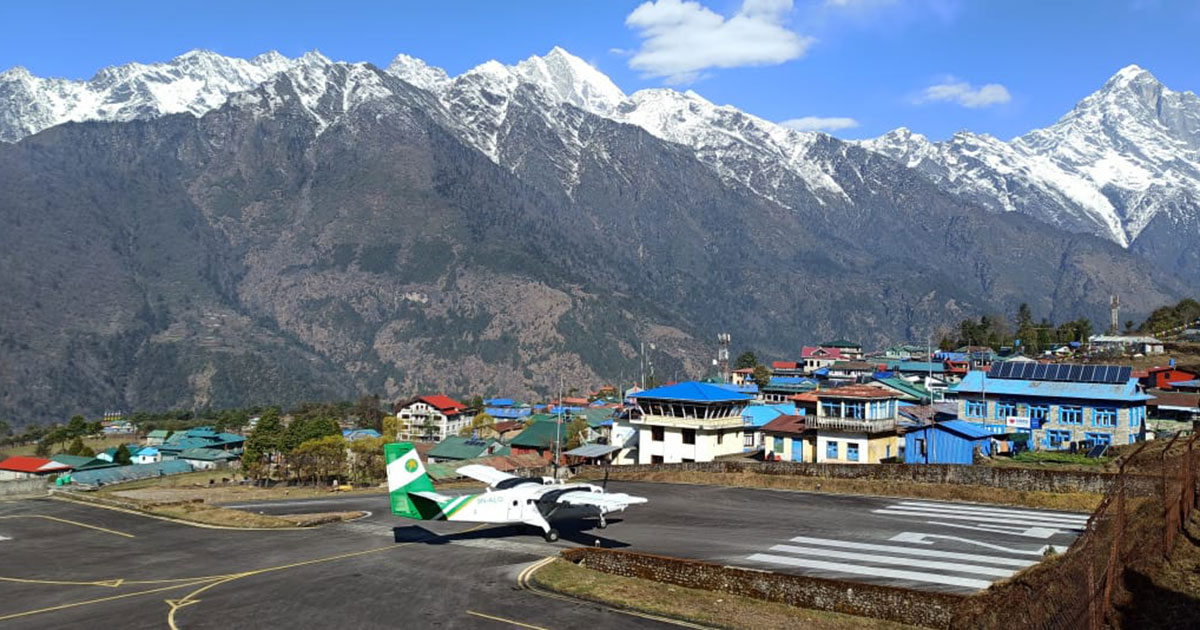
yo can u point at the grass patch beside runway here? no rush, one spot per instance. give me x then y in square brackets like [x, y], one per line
[1072, 501]
[697, 606]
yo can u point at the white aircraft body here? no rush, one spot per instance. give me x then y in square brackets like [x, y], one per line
[508, 498]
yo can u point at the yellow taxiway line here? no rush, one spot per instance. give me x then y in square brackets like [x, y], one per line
[70, 522]
[511, 622]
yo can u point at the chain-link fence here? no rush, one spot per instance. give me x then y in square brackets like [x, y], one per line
[1135, 527]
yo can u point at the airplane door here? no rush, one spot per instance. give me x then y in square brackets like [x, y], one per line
[514, 510]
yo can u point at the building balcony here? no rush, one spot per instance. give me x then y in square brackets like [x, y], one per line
[689, 422]
[857, 425]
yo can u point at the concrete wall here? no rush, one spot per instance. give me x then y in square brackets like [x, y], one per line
[35, 485]
[1014, 478]
[920, 608]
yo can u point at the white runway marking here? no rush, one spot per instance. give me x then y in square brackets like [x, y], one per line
[1062, 516]
[925, 539]
[979, 518]
[893, 560]
[916, 551]
[854, 569]
[1027, 532]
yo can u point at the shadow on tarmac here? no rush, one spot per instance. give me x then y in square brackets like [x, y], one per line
[581, 533]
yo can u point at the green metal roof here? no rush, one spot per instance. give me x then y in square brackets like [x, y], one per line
[905, 387]
[457, 447]
[80, 462]
[539, 435]
[207, 454]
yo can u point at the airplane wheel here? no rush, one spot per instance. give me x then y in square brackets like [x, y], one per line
[551, 536]
[602, 524]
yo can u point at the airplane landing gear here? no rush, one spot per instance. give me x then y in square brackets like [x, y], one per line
[602, 524]
[551, 535]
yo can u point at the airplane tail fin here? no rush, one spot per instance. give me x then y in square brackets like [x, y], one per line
[406, 474]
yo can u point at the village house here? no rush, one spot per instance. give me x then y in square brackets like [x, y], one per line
[542, 436]
[1163, 376]
[855, 424]
[949, 442]
[848, 371]
[430, 418]
[784, 438]
[688, 422]
[816, 357]
[848, 349]
[208, 458]
[780, 388]
[458, 448]
[1055, 404]
[1126, 344]
[22, 467]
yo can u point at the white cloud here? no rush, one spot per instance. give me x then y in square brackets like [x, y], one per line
[683, 38]
[817, 123]
[954, 91]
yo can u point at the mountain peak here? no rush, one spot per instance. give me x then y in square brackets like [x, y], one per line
[417, 72]
[572, 80]
[1130, 75]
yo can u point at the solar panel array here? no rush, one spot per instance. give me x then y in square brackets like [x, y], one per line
[1107, 374]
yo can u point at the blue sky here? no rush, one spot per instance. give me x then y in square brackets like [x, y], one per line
[936, 66]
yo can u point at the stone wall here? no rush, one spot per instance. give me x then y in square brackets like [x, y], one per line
[15, 487]
[920, 608]
[1026, 479]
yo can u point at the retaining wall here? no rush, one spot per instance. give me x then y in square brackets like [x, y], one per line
[921, 608]
[1027, 479]
[15, 487]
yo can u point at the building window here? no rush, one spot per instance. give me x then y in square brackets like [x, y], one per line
[1057, 438]
[1070, 415]
[777, 443]
[976, 409]
[689, 436]
[1098, 438]
[1104, 417]
[656, 434]
[1136, 415]
[1038, 413]
[830, 408]
[855, 410]
[831, 450]
[720, 437]
[852, 451]
[656, 459]
[1004, 410]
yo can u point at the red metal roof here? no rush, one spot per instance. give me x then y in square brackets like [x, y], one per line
[744, 371]
[785, 424]
[805, 397]
[22, 463]
[443, 403]
[784, 365]
[818, 351]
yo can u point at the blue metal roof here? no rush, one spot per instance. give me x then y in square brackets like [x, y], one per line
[499, 402]
[965, 429]
[977, 382]
[792, 380]
[758, 415]
[748, 388]
[692, 392]
[1192, 383]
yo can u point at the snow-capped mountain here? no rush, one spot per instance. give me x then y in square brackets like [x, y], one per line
[1123, 157]
[742, 148]
[195, 82]
[1124, 164]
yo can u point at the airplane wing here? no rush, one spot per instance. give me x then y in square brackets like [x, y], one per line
[486, 474]
[606, 501]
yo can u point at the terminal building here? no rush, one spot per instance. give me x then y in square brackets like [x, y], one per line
[1057, 404]
[688, 422]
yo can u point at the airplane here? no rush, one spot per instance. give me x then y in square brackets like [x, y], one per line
[533, 501]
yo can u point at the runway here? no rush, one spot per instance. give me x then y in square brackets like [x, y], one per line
[66, 564]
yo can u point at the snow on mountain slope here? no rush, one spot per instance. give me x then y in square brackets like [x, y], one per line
[742, 148]
[1123, 156]
[195, 82]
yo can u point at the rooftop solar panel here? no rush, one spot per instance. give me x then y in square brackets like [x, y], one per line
[1089, 373]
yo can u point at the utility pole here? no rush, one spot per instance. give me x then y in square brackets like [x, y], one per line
[723, 355]
[1114, 326]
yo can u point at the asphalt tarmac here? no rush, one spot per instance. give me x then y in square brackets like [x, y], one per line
[71, 565]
